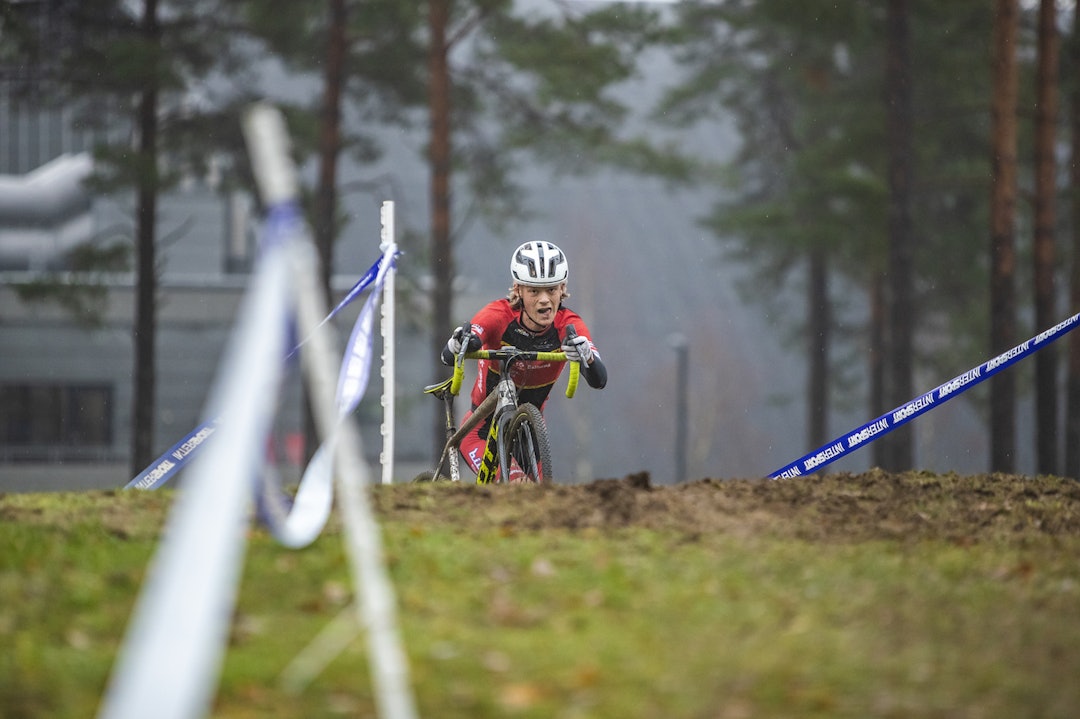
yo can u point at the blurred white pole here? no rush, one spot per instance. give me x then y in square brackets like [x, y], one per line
[168, 665]
[376, 606]
[389, 249]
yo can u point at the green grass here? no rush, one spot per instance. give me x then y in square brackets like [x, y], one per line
[618, 622]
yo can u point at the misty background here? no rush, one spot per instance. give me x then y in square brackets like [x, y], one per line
[649, 270]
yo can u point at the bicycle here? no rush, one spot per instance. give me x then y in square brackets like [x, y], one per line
[517, 433]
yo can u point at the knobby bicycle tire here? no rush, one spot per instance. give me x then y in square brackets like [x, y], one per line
[527, 442]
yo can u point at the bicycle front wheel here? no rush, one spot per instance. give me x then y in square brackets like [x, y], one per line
[526, 440]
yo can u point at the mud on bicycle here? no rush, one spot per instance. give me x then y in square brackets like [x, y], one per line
[517, 435]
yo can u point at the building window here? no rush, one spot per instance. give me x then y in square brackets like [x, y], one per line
[51, 421]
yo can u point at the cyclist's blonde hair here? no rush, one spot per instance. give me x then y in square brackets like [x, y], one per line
[516, 303]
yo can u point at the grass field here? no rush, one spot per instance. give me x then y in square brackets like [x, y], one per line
[870, 595]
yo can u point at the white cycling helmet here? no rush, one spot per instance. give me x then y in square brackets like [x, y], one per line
[539, 264]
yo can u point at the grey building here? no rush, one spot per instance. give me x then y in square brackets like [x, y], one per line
[66, 381]
[66, 366]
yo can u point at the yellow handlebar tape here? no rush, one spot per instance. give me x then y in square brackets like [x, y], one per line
[571, 385]
[459, 374]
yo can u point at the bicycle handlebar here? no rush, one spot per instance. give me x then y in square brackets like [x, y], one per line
[508, 353]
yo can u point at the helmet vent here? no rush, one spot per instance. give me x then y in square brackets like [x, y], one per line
[528, 262]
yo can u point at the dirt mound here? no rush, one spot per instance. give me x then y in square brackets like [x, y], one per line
[834, 507]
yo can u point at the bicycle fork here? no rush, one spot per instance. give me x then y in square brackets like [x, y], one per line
[455, 469]
[504, 407]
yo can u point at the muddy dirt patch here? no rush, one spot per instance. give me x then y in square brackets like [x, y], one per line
[834, 507]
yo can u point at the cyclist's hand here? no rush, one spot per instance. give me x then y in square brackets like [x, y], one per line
[577, 349]
[454, 343]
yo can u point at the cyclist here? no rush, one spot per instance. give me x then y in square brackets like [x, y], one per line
[531, 317]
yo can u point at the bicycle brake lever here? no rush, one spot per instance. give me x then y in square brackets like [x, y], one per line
[466, 336]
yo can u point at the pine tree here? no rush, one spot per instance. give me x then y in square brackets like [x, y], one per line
[126, 71]
[1044, 249]
[1003, 232]
[805, 82]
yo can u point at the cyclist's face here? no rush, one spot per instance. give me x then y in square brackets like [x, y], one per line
[539, 305]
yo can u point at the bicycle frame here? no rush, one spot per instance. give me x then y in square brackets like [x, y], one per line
[503, 398]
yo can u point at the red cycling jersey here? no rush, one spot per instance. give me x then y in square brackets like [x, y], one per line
[498, 325]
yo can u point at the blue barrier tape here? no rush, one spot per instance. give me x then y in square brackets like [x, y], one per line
[877, 428]
[169, 464]
[356, 362]
[297, 521]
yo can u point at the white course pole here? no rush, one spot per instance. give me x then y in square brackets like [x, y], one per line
[389, 248]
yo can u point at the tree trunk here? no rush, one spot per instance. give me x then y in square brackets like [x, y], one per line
[1002, 233]
[901, 240]
[442, 262]
[1072, 419]
[818, 323]
[1046, 110]
[878, 352]
[145, 329]
[325, 211]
